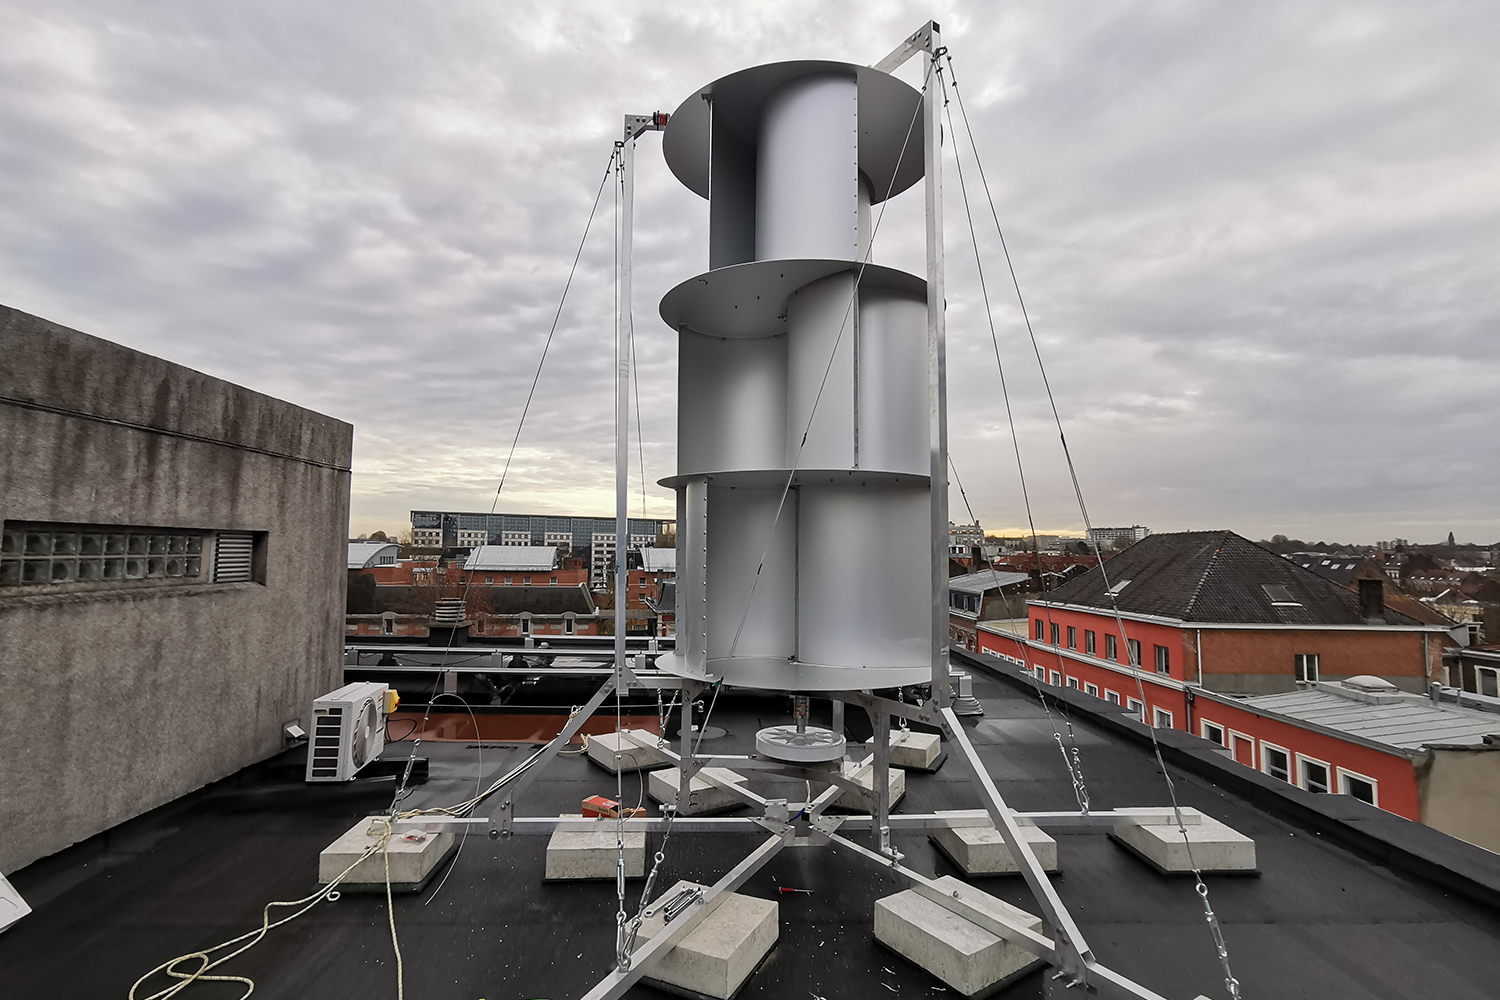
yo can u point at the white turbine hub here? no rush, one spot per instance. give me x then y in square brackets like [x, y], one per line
[811, 746]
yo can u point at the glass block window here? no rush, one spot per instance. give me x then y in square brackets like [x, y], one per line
[92, 556]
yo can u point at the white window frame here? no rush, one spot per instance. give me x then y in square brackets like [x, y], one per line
[1303, 759]
[1073, 683]
[1479, 672]
[1204, 726]
[1056, 680]
[1306, 658]
[1235, 734]
[1136, 706]
[1157, 714]
[1113, 697]
[1092, 689]
[1344, 772]
[1090, 642]
[1291, 761]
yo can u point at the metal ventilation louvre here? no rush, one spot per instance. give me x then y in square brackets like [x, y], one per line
[232, 557]
[327, 740]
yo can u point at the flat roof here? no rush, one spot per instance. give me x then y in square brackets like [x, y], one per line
[521, 558]
[985, 579]
[1318, 921]
[1404, 721]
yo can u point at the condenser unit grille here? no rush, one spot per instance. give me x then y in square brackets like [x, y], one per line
[327, 740]
[232, 557]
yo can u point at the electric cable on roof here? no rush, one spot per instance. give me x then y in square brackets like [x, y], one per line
[1230, 982]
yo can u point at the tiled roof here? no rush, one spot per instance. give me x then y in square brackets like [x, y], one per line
[1216, 576]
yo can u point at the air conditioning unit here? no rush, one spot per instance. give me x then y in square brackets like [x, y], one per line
[348, 730]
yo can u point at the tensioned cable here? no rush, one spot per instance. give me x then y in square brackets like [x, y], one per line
[520, 424]
[832, 356]
[1075, 761]
[1074, 764]
[1230, 982]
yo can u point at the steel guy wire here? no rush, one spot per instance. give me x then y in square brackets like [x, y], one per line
[1074, 760]
[504, 472]
[1074, 764]
[1221, 948]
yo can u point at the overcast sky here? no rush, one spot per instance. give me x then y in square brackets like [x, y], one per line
[1259, 241]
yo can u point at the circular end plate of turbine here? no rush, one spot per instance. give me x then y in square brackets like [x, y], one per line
[748, 300]
[890, 129]
[811, 746]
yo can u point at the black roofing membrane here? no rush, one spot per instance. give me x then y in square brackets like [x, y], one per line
[1319, 922]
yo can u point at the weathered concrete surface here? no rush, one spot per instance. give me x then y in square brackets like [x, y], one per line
[980, 850]
[715, 957]
[120, 700]
[412, 854]
[705, 796]
[1456, 792]
[962, 954]
[588, 854]
[910, 748]
[614, 752]
[866, 776]
[1216, 847]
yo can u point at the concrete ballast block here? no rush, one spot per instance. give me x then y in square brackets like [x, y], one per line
[1216, 847]
[715, 958]
[704, 795]
[980, 850]
[910, 748]
[413, 854]
[619, 752]
[866, 776]
[962, 954]
[584, 854]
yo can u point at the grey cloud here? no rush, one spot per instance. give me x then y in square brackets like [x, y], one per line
[1258, 241]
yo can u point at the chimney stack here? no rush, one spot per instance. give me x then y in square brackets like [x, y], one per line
[1372, 601]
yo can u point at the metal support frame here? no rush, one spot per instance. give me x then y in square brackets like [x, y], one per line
[957, 819]
[1072, 953]
[1064, 944]
[937, 359]
[634, 126]
[508, 804]
[619, 981]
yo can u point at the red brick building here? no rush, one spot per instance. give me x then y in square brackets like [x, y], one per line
[1213, 625]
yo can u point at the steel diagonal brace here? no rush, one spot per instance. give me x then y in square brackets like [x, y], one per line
[1017, 934]
[700, 771]
[1073, 953]
[619, 981]
[508, 805]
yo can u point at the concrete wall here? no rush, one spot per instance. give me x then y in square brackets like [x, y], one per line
[117, 699]
[1456, 788]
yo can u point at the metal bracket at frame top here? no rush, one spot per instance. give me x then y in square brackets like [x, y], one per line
[919, 41]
